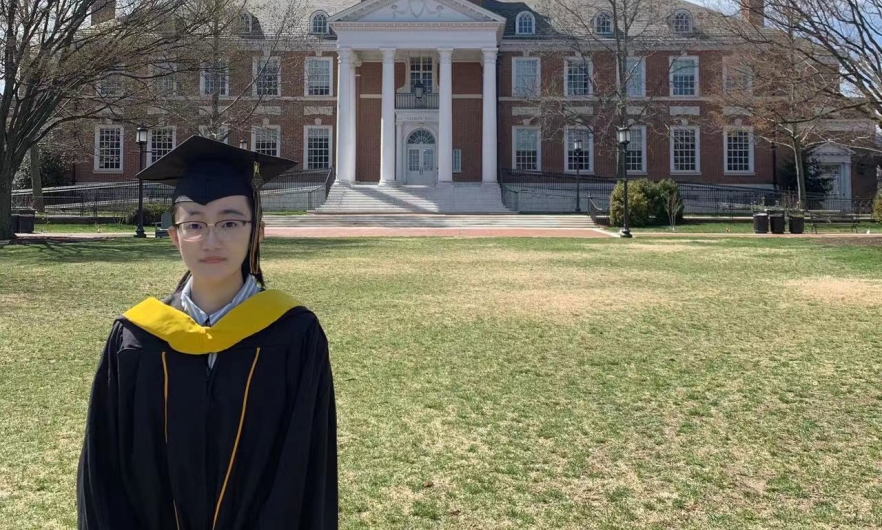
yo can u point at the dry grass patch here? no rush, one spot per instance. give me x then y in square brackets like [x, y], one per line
[843, 291]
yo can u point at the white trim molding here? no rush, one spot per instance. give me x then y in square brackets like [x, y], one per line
[514, 145]
[697, 147]
[122, 150]
[697, 91]
[276, 128]
[330, 129]
[751, 168]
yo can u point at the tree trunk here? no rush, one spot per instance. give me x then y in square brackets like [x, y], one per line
[37, 179]
[800, 172]
[6, 205]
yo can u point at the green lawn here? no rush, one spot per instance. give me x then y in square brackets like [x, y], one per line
[515, 383]
[83, 228]
[741, 227]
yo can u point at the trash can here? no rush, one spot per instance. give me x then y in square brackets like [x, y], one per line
[15, 223]
[776, 223]
[797, 225]
[26, 218]
[761, 223]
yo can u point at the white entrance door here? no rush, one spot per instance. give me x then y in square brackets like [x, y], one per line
[839, 188]
[421, 158]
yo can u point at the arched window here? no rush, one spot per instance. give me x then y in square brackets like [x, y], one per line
[245, 21]
[421, 137]
[319, 23]
[682, 22]
[525, 24]
[603, 24]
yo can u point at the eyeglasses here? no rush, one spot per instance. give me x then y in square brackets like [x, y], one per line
[196, 230]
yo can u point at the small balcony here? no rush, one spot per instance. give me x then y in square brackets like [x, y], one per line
[410, 101]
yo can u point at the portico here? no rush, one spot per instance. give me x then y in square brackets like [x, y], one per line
[416, 119]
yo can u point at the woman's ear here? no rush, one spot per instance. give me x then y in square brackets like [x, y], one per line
[260, 233]
[173, 235]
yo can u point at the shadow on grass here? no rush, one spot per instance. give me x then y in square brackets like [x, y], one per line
[113, 250]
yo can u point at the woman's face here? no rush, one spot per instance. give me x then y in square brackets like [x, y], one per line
[213, 238]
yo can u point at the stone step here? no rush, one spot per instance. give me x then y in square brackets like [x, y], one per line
[431, 221]
[444, 198]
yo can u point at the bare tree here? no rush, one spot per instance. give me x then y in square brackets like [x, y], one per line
[194, 89]
[848, 31]
[787, 89]
[68, 60]
[615, 40]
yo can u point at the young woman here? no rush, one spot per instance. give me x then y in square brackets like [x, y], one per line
[213, 409]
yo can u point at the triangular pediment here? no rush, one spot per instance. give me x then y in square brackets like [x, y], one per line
[831, 149]
[374, 11]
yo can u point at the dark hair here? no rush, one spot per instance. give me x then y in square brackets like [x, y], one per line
[246, 264]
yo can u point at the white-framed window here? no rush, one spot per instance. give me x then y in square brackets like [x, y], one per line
[525, 24]
[245, 22]
[109, 148]
[682, 22]
[738, 150]
[318, 76]
[457, 160]
[223, 133]
[111, 86]
[215, 77]
[317, 145]
[165, 81]
[603, 24]
[635, 156]
[422, 69]
[578, 75]
[161, 141]
[737, 79]
[267, 74]
[525, 77]
[635, 76]
[684, 76]
[685, 149]
[266, 140]
[526, 148]
[318, 25]
[581, 161]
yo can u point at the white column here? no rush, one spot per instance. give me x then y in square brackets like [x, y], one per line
[445, 117]
[344, 114]
[488, 148]
[387, 121]
[399, 167]
[350, 124]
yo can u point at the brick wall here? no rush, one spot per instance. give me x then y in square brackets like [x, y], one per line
[292, 111]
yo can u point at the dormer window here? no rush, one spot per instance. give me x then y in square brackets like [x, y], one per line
[682, 22]
[525, 24]
[245, 21]
[319, 23]
[603, 24]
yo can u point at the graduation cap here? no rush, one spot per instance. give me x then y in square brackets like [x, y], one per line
[203, 170]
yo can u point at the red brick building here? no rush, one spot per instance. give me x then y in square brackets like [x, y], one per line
[436, 92]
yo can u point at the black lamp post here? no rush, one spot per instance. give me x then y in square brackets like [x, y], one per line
[623, 136]
[577, 149]
[141, 140]
[243, 144]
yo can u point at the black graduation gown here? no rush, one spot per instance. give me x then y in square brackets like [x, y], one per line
[249, 445]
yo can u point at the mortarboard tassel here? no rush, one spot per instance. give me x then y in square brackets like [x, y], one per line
[254, 255]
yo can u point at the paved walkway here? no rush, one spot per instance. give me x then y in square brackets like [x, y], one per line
[319, 232]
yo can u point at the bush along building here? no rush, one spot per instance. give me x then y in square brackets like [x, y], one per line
[447, 97]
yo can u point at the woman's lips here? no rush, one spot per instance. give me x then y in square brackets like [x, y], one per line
[213, 260]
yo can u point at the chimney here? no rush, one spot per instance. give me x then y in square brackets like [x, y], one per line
[753, 11]
[104, 10]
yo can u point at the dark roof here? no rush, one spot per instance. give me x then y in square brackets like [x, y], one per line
[511, 10]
